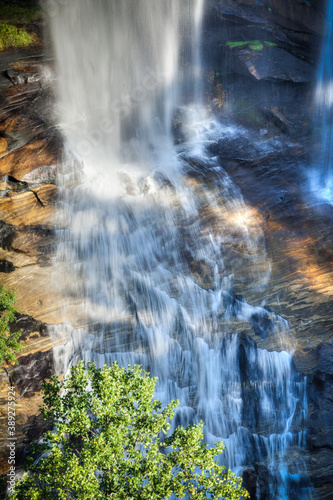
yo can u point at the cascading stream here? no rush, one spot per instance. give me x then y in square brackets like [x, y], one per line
[155, 237]
[322, 175]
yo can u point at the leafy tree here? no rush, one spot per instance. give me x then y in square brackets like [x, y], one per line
[9, 342]
[106, 444]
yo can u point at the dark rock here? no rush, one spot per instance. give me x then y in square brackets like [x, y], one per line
[276, 115]
[320, 467]
[320, 393]
[233, 303]
[258, 480]
[300, 15]
[14, 184]
[7, 235]
[275, 63]
[245, 145]
[325, 357]
[27, 324]
[35, 426]
[19, 136]
[16, 77]
[6, 266]
[31, 371]
[250, 477]
[286, 19]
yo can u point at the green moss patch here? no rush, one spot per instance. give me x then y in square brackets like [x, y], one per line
[251, 44]
[18, 21]
[10, 36]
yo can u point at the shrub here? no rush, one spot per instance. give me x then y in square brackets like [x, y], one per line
[106, 444]
[9, 342]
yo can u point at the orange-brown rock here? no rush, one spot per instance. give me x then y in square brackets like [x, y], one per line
[3, 145]
[27, 158]
[12, 124]
[24, 209]
[299, 242]
[4, 186]
[46, 194]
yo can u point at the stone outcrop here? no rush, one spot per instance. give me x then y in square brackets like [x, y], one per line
[264, 55]
[274, 63]
[28, 194]
[299, 242]
[34, 365]
[28, 149]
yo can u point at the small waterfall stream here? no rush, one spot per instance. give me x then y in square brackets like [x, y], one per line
[322, 176]
[155, 236]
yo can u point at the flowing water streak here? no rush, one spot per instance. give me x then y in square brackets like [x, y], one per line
[156, 236]
[196, 50]
[117, 83]
[322, 176]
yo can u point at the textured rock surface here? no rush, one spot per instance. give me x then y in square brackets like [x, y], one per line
[28, 147]
[299, 242]
[34, 365]
[274, 63]
[276, 70]
[27, 192]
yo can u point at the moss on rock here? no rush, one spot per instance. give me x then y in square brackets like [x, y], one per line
[10, 36]
[251, 44]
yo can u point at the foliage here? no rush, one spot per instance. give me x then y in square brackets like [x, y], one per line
[19, 12]
[107, 444]
[10, 36]
[252, 44]
[9, 342]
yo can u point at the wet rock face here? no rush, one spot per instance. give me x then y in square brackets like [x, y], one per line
[265, 55]
[29, 155]
[29, 162]
[296, 24]
[321, 398]
[7, 234]
[274, 63]
[298, 240]
[30, 372]
[34, 365]
[258, 481]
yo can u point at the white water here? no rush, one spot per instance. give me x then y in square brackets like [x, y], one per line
[322, 174]
[156, 236]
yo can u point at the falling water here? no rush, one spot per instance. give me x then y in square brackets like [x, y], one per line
[156, 236]
[196, 50]
[322, 176]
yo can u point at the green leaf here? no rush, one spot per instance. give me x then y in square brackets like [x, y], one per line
[9, 342]
[107, 444]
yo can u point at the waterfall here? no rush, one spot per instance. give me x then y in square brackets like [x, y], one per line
[322, 176]
[196, 49]
[154, 236]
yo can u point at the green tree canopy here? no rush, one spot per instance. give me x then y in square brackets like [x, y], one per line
[9, 342]
[106, 444]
